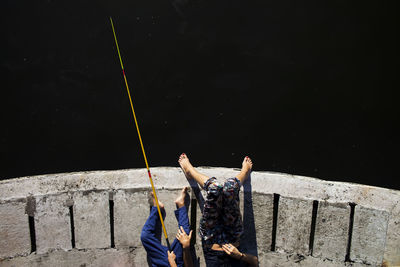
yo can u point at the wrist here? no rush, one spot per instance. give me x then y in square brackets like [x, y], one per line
[241, 256]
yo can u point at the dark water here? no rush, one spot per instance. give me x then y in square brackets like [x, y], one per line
[306, 89]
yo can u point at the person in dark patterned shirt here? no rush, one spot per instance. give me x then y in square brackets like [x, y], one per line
[221, 225]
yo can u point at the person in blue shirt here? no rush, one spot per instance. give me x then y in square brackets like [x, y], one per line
[156, 252]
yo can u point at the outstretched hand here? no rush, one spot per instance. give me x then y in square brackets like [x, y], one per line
[232, 251]
[183, 238]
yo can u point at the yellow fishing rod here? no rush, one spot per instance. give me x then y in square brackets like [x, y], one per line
[140, 138]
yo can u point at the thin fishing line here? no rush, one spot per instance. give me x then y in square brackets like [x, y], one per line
[140, 138]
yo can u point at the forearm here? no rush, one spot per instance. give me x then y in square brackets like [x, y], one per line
[250, 259]
[172, 263]
[187, 258]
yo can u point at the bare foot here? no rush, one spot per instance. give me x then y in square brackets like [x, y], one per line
[247, 164]
[185, 164]
[152, 201]
[180, 201]
[190, 171]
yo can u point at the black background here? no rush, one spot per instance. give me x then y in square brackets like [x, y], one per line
[302, 88]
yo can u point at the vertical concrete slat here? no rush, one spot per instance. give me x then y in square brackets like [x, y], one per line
[331, 231]
[131, 210]
[392, 246]
[52, 223]
[167, 197]
[369, 235]
[92, 219]
[263, 206]
[294, 225]
[198, 245]
[14, 229]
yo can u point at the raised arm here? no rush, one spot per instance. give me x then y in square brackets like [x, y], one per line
[233, 252]
[184, 239]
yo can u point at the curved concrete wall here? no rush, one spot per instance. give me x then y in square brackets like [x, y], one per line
[95, 219]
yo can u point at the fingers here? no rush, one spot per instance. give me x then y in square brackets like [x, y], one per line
[179, 235]
[226, 249]
[181, 230]
[229, 248]
[190, 234]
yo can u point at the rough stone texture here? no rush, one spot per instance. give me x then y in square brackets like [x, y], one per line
[52, 223]
[263, 216]
[262, 187]
[294, 225]
[168, 197]
[92, 219]
[369, 224]
[331, 231]
[14, 229]
[85, 258]
[130, 210]
[137, 258]
[392, 249]
[273, 259]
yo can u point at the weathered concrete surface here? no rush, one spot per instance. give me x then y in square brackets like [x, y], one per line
[14, 229]
[136, 257]
[273, 259]
[52, 223]
[167, 197]
[96, 231]
[392, 248]
[92, 219]
[331, 231]
[294, 225]
[90, 257]
[130, 208]
[369, 225]
[263, 214]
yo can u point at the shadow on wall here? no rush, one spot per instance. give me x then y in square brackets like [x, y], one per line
[249, 239]
[196, 195]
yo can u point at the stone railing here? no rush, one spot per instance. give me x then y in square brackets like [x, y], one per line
[95, 219]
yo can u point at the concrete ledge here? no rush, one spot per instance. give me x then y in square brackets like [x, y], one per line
[374, 238]
[137, 257]
[86, 257]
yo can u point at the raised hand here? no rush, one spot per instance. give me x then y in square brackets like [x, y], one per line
[183, 238]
